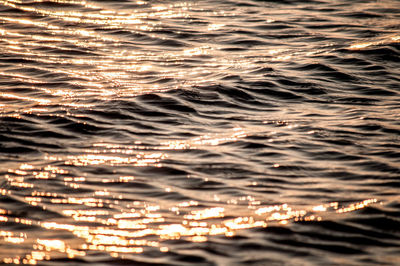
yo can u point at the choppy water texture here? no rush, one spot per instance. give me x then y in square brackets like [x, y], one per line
[200, 133]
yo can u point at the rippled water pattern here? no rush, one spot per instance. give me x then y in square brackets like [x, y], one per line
[239, 132]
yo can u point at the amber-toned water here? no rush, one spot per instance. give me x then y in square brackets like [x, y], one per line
[236, 132]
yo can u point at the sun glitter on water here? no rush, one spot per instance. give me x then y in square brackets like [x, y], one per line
[137, 225]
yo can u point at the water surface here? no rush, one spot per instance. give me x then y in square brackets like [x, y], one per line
[199, 132]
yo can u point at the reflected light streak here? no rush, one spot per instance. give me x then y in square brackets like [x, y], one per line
[26, 98]
[210, 140]
[381, 41]
[141, 159]
[216, 212]
[356, 206]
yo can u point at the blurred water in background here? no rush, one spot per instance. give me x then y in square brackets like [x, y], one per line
[240, 132]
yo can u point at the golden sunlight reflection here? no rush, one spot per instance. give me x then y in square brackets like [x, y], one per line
[115, 71]
[103, 223]
[375, 42]
[133, 230]
[211, 140]
[140, 159]
[133, 226]
[87, 55]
